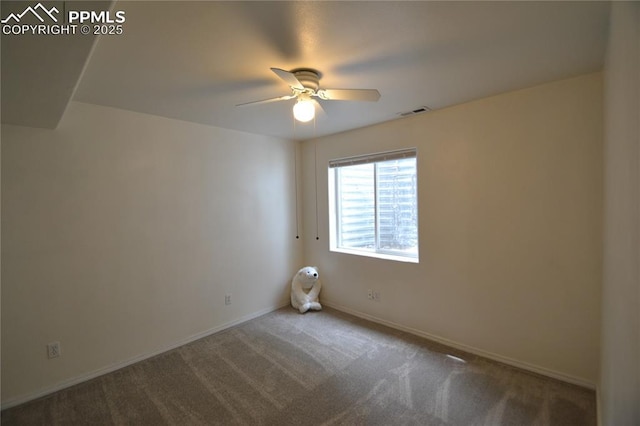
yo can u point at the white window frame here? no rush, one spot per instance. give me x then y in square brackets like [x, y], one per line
[334, 206]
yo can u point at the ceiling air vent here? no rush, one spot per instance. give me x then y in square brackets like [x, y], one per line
[418, 110]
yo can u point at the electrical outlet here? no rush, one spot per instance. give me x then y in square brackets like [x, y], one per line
[370, 294]
[227, 299]
[53, 350]
[376, 296]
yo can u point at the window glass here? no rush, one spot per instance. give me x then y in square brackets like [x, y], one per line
[374, 206]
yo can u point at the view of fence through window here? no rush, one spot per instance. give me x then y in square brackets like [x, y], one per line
[377, 208]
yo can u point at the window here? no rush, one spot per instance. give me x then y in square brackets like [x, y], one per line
[373, 205]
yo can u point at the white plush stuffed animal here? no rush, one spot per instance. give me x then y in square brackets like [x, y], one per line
[305, 288]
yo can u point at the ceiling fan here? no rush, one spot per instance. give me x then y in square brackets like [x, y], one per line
[305, 85]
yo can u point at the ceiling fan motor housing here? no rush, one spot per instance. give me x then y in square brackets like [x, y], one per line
[310, 79]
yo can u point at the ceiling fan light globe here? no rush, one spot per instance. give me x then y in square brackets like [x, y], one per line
[304, 111]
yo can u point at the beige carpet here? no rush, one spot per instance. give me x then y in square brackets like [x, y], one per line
[321, 368]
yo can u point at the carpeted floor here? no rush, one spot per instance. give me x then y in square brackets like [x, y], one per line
[321, 368]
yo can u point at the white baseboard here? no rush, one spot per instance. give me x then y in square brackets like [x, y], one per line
[116, 366]
[12, 402]
[480, 352]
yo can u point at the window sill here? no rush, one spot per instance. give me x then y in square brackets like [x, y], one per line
[384, 256]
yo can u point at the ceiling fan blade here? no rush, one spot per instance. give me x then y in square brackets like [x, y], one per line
[320, 112]
[266, 101]
[369, 95]
[288, 78]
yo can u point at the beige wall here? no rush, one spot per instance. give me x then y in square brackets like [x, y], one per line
[122, 232]
[510, 212]
[620, 376]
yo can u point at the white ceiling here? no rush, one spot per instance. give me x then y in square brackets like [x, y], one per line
[196, 60]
